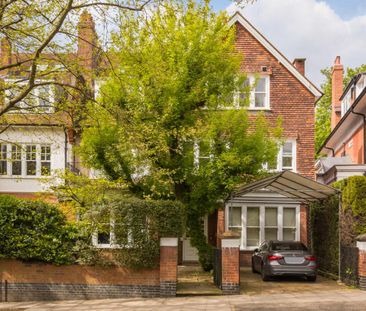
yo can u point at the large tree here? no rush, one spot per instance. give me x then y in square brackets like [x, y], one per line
[166, 122]
[324, 105]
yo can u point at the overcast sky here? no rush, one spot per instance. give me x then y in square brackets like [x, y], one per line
[318, 30]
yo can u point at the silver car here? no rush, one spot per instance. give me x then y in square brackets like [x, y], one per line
[277, 258]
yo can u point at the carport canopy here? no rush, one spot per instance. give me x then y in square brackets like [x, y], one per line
[291, 185]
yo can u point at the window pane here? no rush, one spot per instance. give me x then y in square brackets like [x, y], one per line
[3, 159]
[260, 85]
[235, 216]
[45, 168]
[287, 162]
[260, 100]
[287, 148]
[16, 160]
[253, 216]
[271, 217]
[31, 167]
[103, 238]
[252, 236]
[289, 234]
[289, 217]
[270, 234]
[44, 95]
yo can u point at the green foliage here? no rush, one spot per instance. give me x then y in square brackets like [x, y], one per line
[325, 239]
[353, 208]
[178, 70]
[137, 226]
[324, 105]
[34, 230]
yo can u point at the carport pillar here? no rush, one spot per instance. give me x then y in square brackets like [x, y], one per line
[361, 244]
[230, 261]
[168, 266]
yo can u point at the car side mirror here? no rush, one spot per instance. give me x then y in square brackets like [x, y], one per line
[256, 250]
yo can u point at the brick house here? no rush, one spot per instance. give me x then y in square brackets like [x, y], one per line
[344, 148]
[282, 90]
[34, 145]
[36, 137]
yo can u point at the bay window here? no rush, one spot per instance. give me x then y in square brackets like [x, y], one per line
[258, 223]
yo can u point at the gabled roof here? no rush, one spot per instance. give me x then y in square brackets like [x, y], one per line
[237, 17]
[291, 185]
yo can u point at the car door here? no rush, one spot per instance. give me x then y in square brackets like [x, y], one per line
[263, 251]
[257, 257]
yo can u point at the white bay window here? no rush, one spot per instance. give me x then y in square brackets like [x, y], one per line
[259, 222]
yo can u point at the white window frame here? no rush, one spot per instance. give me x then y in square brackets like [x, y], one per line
[252, 82]
[23, 147]
[280, 207]
[279, 167]
[196, 153]
[35, 91]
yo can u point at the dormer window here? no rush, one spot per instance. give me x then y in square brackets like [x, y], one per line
[39, 100]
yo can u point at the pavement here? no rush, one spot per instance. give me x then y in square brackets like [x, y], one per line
[197, 292]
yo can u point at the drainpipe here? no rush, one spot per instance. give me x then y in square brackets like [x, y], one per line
[65, 147]
[331, 149]
[339, 235]
[364, 132]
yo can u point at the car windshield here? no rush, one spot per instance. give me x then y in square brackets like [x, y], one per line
[288, 246]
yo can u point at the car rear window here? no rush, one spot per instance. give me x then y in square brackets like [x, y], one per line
[288, 246]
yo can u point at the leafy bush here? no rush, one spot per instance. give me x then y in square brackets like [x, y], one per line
[325, 239]
[34, 230]
[137, 225]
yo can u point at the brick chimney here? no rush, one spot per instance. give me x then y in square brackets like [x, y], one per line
[299, 64]
[337, 90]
[87, 44]
[5, 53]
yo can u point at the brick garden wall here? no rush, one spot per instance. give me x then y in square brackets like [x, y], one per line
[39, 281]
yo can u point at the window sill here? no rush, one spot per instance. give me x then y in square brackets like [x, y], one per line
[24, 177]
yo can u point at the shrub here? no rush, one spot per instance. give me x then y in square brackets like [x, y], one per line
[34, 230]
[137, 225]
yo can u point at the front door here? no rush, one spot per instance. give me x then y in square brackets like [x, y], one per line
[190, 253]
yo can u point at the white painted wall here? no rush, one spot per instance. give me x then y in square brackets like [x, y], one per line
[53, 136]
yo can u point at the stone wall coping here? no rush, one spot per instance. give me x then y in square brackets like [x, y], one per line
[361, 245]
[361, 238]
[230, 235]
[169, 242]
[231, 243]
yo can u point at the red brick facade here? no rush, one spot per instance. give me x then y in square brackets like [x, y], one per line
[289, 99]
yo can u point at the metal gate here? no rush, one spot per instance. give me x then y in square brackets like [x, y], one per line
[217, 267]
[349, 265]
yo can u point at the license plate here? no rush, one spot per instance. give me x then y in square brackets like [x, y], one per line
[294, 260]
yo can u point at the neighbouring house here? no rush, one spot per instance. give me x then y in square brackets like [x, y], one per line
[344, 148]
[37, 136]
[276, 209]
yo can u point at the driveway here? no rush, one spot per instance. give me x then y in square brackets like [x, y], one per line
[252, 284]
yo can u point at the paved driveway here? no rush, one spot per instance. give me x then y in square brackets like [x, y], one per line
[252, 284]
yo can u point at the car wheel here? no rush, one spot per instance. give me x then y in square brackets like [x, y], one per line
[253, 268]
[265, 277]
[311, 278]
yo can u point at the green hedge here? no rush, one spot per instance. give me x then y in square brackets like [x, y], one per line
[325, 240]
[34, 230]
[138, 225]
